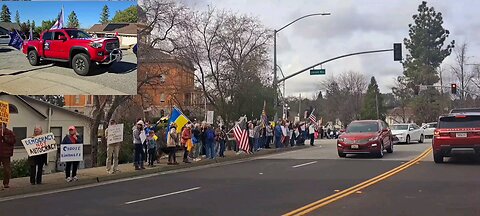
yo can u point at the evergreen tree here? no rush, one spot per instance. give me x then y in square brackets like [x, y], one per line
[73, 20]
[373, 98]
[5, 16]
[17, 18]
[105, 15]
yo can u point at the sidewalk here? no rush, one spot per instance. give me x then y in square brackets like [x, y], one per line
[20, 186]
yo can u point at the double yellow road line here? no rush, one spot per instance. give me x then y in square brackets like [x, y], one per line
[327, 200]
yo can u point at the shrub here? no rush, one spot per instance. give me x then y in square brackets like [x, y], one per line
[20, 168]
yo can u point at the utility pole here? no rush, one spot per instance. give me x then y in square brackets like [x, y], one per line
[376, 104]
[299, 105]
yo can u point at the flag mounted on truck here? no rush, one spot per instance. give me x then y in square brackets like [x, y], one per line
[59, 23]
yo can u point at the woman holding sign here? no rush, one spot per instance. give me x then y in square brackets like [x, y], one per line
[72, 138]
[36, 162]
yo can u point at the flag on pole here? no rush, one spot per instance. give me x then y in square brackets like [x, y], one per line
[15, 40]
[178, 118]
[241, 134]
[312, 118]
[59, 23]
[264, 115]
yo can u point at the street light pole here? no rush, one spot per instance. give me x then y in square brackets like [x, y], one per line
[275, 81]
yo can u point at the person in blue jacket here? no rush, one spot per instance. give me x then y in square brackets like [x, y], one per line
[72, 138]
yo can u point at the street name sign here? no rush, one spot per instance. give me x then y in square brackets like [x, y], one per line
[317, 72]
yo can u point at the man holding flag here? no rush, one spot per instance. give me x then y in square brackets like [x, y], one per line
[241, 135]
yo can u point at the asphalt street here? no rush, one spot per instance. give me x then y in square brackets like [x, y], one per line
[270, 185]
[17, 76]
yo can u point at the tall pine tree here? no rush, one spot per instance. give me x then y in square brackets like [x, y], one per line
[372, 99]
[17, 18]
[73, 20]
[5, 16]
[427, 50]
[105, 15]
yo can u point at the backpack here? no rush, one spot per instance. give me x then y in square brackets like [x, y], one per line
[210, 135]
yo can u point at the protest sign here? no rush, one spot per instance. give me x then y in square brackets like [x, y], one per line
[115, 133]
[40, 144]
[71, 152]
[210, 117]
[4, 112]
[143, 136]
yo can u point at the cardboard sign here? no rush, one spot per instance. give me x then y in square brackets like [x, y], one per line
[71, 152]
[143, 136]
[40, 144]
[115, 134]
[4, 112]
[210, 117]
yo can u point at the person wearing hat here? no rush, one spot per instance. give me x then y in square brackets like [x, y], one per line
[7, 142]
[172, 143]
[72, 138]
[137, 142]
[113, 149]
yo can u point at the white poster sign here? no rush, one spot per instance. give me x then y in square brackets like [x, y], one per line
[115, 133]
[209, 117]
[71, 152]
[143, 136]
[40, 144]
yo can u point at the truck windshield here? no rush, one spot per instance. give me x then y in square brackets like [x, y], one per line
[75, 34]
[459, 122]
[362, 127]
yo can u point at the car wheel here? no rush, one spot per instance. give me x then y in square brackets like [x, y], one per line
[422, 138]
[380, 153]
[81, 64]
[438, 157]
[390, 148]
[407, 140]
[341, 154]
[33, 58]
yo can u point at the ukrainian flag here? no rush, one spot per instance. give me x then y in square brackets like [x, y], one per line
[179, 118]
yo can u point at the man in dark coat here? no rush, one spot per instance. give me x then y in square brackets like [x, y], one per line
[7, 142]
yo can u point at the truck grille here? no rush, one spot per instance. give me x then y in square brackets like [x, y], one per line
[112, 45]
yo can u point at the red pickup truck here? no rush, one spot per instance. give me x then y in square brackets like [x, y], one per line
[74, 46]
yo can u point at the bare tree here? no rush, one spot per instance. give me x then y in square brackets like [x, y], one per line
[403, 94]
[464, 76]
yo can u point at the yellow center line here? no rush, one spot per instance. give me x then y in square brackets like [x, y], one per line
[334, 197]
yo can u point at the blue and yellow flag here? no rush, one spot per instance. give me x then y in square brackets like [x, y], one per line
[179, 118]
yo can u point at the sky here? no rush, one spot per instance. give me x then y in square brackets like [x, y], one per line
[353, 26]
[88, 12]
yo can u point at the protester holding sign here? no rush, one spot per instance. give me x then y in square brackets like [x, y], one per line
[114, 135]
[7, 141]
[37, 161]
[137, 142]
[72, 138]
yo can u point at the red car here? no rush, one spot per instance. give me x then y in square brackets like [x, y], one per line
[456, 133]
[75, 47]
[365, 137]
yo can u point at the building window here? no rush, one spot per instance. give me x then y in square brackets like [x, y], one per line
[13, 109]
[77, 99]
[80, 133]
[89, 99]
[57, 132]
[187, 99]
[162, 97]
[20, 133]
[162, 78]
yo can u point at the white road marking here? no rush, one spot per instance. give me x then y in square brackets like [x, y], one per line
[163, 195]
[305, 164]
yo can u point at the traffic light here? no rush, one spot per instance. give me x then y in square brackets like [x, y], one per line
[454, 88]
[397, 52]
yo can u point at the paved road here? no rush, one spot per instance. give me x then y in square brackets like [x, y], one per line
[17, 76]
[270, 185]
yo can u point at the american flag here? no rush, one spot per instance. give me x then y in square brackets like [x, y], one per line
[241, 134]
[264, 115]
[59, 23]
[312, 118]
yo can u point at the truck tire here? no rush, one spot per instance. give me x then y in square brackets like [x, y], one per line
[33, 58]
[341, 154]
[82, 65]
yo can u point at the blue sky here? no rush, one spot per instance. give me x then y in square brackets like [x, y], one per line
[88, 12]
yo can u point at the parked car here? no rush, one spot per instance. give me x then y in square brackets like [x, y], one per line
[406, 133]
[464, 110]
[74, 46]
[428, 129]
[365, 137]
[456, 133]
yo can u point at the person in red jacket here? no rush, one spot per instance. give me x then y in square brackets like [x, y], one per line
[7, 142]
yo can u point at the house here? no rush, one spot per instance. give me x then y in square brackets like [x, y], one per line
[6, 27]
[399, 115]
[127, 32]
[27, 112]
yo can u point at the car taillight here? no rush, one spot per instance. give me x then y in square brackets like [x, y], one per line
[441, 134]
